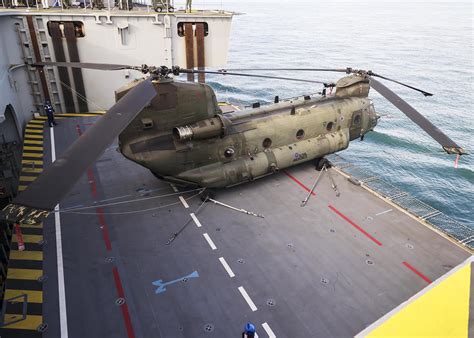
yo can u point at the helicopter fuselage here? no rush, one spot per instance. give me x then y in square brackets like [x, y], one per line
[223, 150]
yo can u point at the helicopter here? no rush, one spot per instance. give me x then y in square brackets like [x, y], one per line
[178, 131]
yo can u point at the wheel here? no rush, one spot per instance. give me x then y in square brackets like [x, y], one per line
[158, 9]
[321, 162]
[171, 9]
[208, 193]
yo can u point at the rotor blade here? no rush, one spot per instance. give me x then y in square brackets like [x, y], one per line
[448, 145]
[98, 66]
[403, 84]
[46, 192]
[339, 70]
[195, 71]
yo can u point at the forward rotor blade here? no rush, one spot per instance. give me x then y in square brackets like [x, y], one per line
[448, 145]
[196, 71]
[46, 192]
[338, 70]
[88, 65]
[402, 84]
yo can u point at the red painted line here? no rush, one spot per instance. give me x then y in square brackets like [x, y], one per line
[124, 306]
[19, 237]
[299, 182]
[355, 225]
[104, 228]
[409, 266]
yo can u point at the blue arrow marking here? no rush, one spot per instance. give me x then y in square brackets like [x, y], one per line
[161, 286]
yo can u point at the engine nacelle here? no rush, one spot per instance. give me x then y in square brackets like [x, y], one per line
[201, 130]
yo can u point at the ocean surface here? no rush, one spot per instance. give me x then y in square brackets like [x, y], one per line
[427, 44]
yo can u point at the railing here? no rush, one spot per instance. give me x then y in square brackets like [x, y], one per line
[438, 220]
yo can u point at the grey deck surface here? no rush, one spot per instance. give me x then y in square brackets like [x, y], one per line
[282, 261]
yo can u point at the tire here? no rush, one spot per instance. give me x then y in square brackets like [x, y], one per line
[320, 163]
[208, 193]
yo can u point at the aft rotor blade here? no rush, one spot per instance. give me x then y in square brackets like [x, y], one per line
[196, 71]
[448, 145]
[403, 84]
[88, 65]
[46, 192]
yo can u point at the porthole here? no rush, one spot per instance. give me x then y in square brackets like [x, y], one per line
[267, 143]
[229, 152]
[300, 134]
[329, 126]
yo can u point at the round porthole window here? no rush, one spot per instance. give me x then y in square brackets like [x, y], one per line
[300, 134]
[267, 143]
[229, 152]
[329, 126]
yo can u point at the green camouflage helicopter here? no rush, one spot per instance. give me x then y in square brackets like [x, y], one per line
[178, 131]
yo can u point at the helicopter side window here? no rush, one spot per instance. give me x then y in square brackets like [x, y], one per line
[329, 126]
[267, 143]
[357, 120]
[300, 134]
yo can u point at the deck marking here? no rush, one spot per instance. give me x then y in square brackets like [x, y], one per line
[209, 241]
[59, 256]
[226, 267]
[174, 187]
[409, 266]
[124, 306]
[299, 183]
[384, 212]
[100, 212]
[268, 330]
[162, 285]
[355, 225]
[195, 219]
[247, 298]
[184, 202]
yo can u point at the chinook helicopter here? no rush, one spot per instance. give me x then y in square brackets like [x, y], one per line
[178, 131]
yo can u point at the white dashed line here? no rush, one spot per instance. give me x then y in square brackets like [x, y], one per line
[383, 212]
[184, 202]
[227, 267]
[195, 219]
[247, 298]
[174, 187]
[209, 241]
[268, 330]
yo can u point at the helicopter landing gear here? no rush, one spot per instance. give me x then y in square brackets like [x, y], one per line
[322, 162]
[206, 194]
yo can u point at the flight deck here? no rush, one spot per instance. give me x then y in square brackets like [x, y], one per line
[127, 255]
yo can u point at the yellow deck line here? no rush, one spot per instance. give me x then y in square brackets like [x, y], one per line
[24, 274]
[28, 178]
[36, 122]
[22, 187]
[33, 148]
[37, 155]
[33, 296]
[30, 162]
[27, 136]
[27, 170]
[32, 142]
[28, 239]
[27, 255]
[77, 115]
[31, 322]
[34, 126]
[34, 131]
[33, 226]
